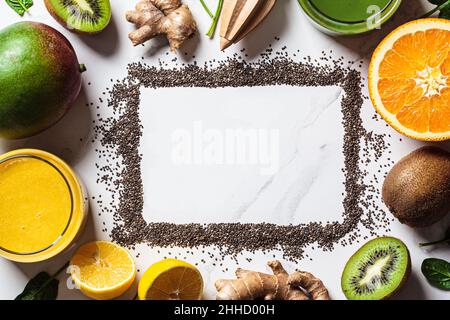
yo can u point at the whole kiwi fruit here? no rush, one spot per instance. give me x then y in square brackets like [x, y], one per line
[417, 189]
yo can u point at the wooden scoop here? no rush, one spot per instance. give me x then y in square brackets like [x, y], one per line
[240, 17]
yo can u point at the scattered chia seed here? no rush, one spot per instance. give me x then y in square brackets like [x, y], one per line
[120, 137]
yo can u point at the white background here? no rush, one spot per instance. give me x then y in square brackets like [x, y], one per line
[306, 162]
[106, 56]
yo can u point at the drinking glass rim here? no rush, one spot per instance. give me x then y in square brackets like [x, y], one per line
[380, 13]
[345, 27]
[18, 156]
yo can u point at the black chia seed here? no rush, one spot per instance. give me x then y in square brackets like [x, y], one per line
[120, 137]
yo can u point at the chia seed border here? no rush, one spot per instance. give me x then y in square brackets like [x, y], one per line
[121, 136]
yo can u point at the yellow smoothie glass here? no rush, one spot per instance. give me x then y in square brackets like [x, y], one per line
[43, 205]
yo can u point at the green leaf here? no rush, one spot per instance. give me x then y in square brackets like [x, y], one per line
[41, 287]
[20, 6]
[437, 2]
[442, 5]
[445, 12]
[437, 272]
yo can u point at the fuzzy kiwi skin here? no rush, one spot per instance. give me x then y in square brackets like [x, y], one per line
[53, 13]
[417, 189]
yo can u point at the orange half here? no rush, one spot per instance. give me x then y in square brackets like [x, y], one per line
[409, 79]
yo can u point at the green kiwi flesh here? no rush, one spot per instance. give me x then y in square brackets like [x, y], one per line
[377, 270]
[84, 16]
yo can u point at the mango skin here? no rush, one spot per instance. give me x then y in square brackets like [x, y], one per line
[40, 78]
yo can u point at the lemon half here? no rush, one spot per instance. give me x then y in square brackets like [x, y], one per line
[102, 270]
[171, 279]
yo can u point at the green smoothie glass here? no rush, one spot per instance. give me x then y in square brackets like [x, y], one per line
[347, 17]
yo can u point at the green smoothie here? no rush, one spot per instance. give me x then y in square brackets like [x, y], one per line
[349, 10]
[349, 16]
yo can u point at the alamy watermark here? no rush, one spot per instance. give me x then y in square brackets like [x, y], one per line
[374, 21]
[202, 146]
[70, 283]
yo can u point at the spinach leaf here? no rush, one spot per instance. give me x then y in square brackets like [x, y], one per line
[443, 6]
[445, 12]
[41, 287]
[20, 6]
[437, 2]
[437, 272]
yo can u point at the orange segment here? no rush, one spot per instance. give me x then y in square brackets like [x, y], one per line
[416, 116]
[445, 68]
[389, 68]
[396, 93]
[438, 42]
[440, 112]
[411, 47]
[409, 79]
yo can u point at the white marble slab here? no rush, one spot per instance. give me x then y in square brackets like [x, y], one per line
[289, 196]
[263, 135]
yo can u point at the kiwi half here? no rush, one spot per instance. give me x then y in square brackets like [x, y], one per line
[377, 270]
[83, 16]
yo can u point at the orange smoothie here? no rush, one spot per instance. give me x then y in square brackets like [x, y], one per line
[42, 208]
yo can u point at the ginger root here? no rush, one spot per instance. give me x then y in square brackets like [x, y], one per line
[252, 285]
[161, 17]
